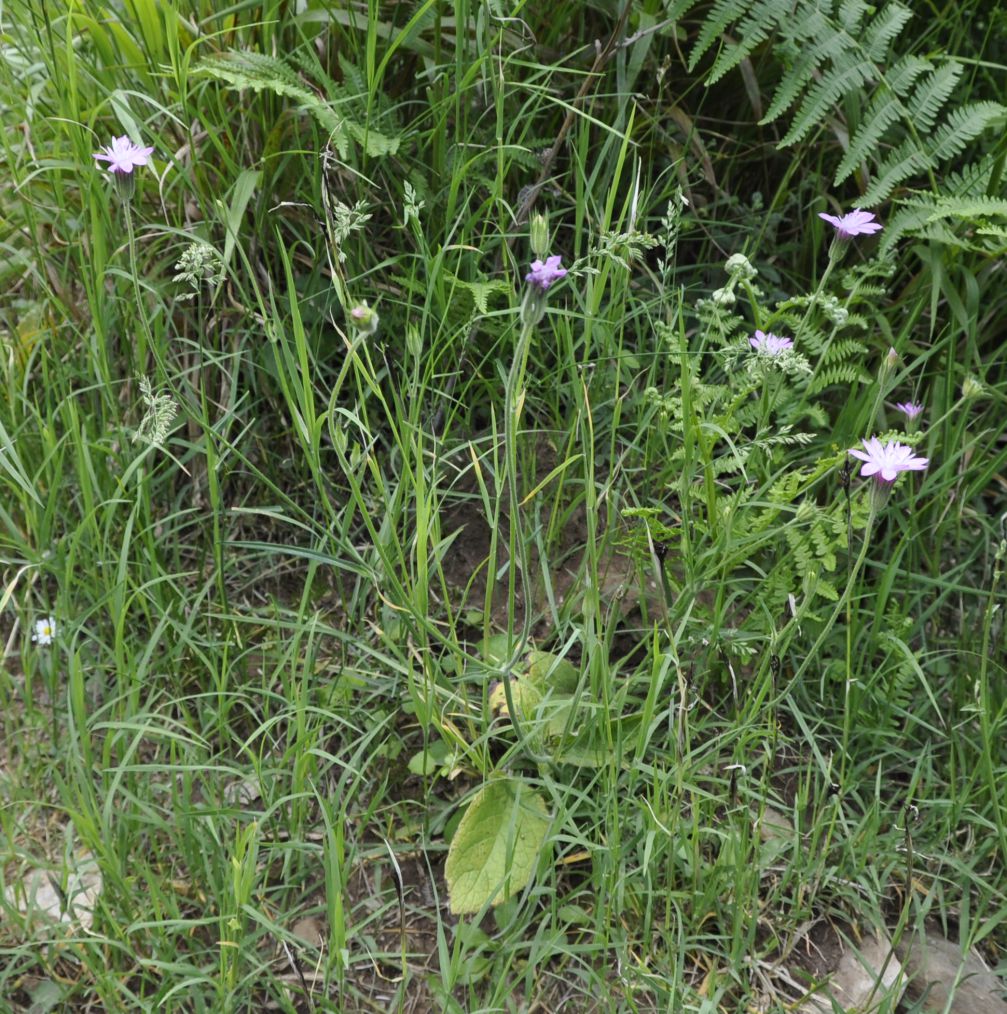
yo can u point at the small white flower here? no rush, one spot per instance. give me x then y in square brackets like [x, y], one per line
[45, 630]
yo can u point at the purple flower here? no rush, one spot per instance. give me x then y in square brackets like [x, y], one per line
[770, 344]
[887, 460]
[544, 273]
[909, 409]
[122, 155]
[853, 223]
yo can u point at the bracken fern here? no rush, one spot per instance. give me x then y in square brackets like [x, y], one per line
[834, 53]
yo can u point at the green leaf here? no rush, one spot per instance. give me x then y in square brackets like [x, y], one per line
[245, 69]
[548, 672]
[496, 847]
[426, 762]
[373, 142]
[481, 292]
[496, 648]
[542, 695]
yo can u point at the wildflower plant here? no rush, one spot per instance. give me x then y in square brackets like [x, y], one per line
[852, 224]
[45, 631]
[770, 344]
[542, 276]
[122, 156]
[364, 319]
[910, 409]
[886, 461]
[544, 273]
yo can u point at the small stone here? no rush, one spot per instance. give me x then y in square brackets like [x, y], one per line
[309, 930]
[775, 825]
[242, 793]
[938, 973]
[39, 898]
[866, 975]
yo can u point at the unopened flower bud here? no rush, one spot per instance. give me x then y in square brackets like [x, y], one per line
[364, 319]
[539, 239]
[971, 388]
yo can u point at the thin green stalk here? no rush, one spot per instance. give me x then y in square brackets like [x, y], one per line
[139, 363]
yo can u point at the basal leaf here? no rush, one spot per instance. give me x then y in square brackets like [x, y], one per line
[551, 673]
[496, 847]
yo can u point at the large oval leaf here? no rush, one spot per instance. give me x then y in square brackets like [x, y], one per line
[496, 846]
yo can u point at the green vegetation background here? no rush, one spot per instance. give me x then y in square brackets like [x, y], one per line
[293, 595]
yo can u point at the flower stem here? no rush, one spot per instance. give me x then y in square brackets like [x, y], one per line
[145, 338]
[514, 404]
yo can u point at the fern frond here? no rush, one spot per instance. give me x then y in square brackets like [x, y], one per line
[757, 25]
[715, 24]
[931, 93]
[901, 76]
[824, 545]
[883, 111]
[963, 125]
[967, 208]
[851, 14]
[843, 349]
[905, 161]
[813, 49]
[858, 320]
[826, 589]
[971, 180]
[836, 83]
[846, 374]
[884, 29]
[832, 52]
[244, 69]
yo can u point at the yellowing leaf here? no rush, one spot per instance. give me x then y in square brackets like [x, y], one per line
[496, 846]
[526, 697]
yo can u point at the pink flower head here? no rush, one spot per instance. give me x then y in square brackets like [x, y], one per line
[853, 223]
[122, 155]
[909, 409]
[770, 344]
[543, 274]
[887, 460]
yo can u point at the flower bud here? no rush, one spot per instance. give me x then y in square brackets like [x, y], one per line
[414, 340]
[125, 185]
[971, 388]
[364, 319]
[539, 239]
